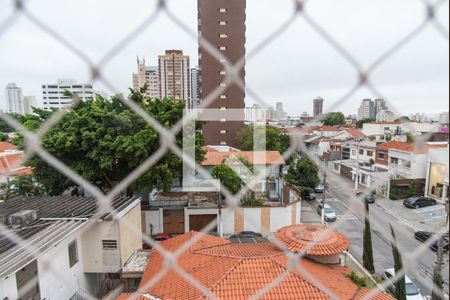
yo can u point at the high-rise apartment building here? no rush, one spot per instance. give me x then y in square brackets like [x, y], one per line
[318, 106]
[380, 105]
[53, 95]
[14, 99]
[222, 24]
[28, 103]
[174, 75]
[195, 88]
[147, 75]
[367, 110]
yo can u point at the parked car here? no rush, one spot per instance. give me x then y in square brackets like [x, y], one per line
[159, 237]
[412, 291]
[310, 197]
[424, 236]
[246, 235]
[329, 213]
[419, 202]
[370, 198]
[319, 189]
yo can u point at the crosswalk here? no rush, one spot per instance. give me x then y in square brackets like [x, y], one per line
[347, 217]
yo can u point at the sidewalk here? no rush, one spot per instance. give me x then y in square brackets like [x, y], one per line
[424, 219]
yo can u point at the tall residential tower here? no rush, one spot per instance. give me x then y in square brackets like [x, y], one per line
[147, 75]
[14, 99]
[222, 24]
[318, 106]
[174, 75]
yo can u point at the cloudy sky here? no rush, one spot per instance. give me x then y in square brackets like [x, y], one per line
[294, 68]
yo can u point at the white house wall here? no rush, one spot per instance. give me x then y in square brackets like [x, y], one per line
[228, 221]
[65, 281]
[280, 217]
[95, 259]
[8, 288]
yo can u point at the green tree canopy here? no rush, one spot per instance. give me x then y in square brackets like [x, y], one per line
[24, 185]
[360, 123]
[334, 119]
[304, 173]
[104, 141]
[276, 140]
[228, 177]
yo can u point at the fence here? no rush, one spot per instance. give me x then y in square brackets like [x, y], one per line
[167, 135]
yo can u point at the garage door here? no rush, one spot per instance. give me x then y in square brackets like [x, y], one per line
[197, 223]
[173, 221]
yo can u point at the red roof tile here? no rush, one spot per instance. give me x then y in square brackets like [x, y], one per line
[214, 158]
[10, 161]
[239, 271]
[355, 133]
[297, 238]
[6, 146]
[410, 147]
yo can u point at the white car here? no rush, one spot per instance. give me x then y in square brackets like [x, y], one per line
[412, 291]
[328, 212]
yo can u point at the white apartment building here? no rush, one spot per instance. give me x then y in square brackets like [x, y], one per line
[363, 153]
[28, 103]
[53, 95]
[385, 116]
[195, 88]
[147, 75]
[382, 128]
[14, 99]
[175, 75]
[367, 110]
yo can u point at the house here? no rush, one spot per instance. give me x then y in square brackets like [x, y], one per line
[7, 147]
[266, 164]
[228, 270]
[383, 128]
[326, 131]
[437, 178]
[68, 249]
[363, 152]
[182, 212]
[349, 134]
[11, 167]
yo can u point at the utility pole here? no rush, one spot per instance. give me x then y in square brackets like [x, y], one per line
[219, 217]
[324, 197]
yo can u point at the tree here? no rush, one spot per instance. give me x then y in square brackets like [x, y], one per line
[303, 173]
[403, 119]
[276, 140]
[3, 137]
[411, 191]
[25, 185]
[368, 249]
[104, 141]
[400, 289]
[228, 176]
[334, 119]
[360, 123]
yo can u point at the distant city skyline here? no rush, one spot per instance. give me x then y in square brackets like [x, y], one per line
[414, 79]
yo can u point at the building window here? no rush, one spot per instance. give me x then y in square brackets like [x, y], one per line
[223, 23]
[73, 253]
[223, 72]
[353, 152]
[406, 164]
[223, 132]
[223, 108]
[361, 152]
[109, 244]
[394, 160]
[223, 48]
[223, 85]
[381, 155]
[223, 120]
[223, 143]
[223, 36]
[223, 96]
[222, 10]
[223, 60]
[369, 153]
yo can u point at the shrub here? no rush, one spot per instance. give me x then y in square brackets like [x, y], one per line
[359, 281]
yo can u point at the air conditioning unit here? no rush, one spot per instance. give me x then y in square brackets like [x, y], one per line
[22, 218]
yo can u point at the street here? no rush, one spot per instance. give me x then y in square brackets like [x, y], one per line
[350, 211]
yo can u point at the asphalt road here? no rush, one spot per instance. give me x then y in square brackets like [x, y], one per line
[350, 210]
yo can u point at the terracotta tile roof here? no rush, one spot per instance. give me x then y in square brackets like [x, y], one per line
[10, 161]
[214, 158]
[386, 123]
[297, 238]
[328, 128]
[23, 171]
[239, 271]
[355, 133]
[410, 147]
[6, 146]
